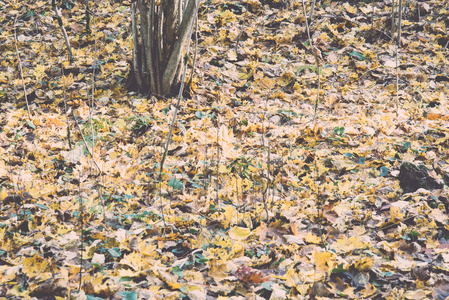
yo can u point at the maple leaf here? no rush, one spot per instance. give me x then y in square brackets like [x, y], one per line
[248, 275]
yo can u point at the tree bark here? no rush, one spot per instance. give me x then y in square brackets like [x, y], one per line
[160, 31]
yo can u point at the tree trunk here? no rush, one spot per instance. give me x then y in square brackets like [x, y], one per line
[160, 30]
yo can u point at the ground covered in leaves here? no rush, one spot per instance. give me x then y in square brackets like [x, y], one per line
[259, 199]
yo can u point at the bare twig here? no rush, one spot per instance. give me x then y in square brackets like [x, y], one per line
[66, 38]
[85, 143]
[136, 65]
[81, 220]
[393, 5]
[320, 206]
[195, 53]
[218, 158]
[181, 89]
[65, 107]
[311, 11]
[88, 16]
[92, 103]
[307, 22]
[316, 53]
[21, 70]
[92, 99]
[264, 190]
[185, 30]
[398, 44]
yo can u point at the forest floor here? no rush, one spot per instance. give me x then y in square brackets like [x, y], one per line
[277, 185]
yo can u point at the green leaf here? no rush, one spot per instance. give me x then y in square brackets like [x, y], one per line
[41, 206]
[132, 295]
[90, 297]
[267, 285]
[115, 252]
[359, 56]
[126, 279]
[30, 124]
[199, 258]
[383, 171]
[199, 114]
[339, 269]
[178, 272]
[122, 8]
[339, 130]
[406, 146]
[175, 184]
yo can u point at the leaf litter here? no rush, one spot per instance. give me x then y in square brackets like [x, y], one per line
[258, 199]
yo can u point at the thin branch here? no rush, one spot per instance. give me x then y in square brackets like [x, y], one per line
[100, 192]
[87, 16]
[21, 70]
[81, 216]
[61, 25]
[393, 4]
[136, 65]
[316, 53]
[307, 22]
[159, 49]
[65, 107]
[85, 143]
[155, 86]
[311, 11]
[180, 11]
[92, 101]
[185, 29]
[181, 89]
[218, 160]
[195, 52]
[398, 44]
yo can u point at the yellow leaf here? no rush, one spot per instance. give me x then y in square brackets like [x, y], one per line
[348, 244]
[134, 261]
[39, 72]
[364, 264]
[246, 75]
[286, 78]
[232, 56]
[369, 290]
[324, 261]
[416, 295]
[350, 9]
[217, 270]
[312, 239]
[228, 16]
[41, 3]
[66, 80]
[120, 124]
[33, 266]
[3, 194]
[239, 233]
[39, 191]
[228, 215]
[169, 279]
[266, 83]
[193, 277]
